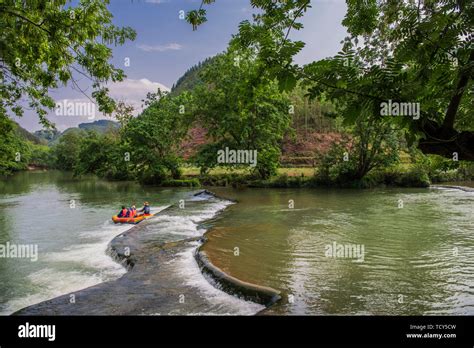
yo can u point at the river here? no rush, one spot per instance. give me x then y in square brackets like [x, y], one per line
[70, 222]
[418, 249]
[415, 246]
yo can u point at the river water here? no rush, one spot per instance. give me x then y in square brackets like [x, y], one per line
[418, 249]
[415, 246]
[70, 222]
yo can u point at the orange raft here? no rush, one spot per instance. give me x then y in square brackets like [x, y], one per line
[129, 220]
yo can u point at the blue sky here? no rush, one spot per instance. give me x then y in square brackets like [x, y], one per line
[166, 46]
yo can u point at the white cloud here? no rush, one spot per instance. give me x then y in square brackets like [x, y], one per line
[130, 91]
[160, 48]
[134, 88]
[134, 91]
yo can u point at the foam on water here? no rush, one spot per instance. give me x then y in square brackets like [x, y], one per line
[92, 252]
[87, 263]
[187, 226]
[178, 225]
[50, 283]
[75, 267]
[219, 301]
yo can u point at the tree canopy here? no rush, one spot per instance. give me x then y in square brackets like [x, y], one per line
[47, 43]
[401, 51]
[241, 108]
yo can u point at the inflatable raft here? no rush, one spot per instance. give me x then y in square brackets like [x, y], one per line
[130, 220]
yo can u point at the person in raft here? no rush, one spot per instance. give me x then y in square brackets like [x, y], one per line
[133, 211]
[124, 212]
[146, 209]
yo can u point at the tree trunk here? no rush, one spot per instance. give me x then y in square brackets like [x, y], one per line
[447, 142]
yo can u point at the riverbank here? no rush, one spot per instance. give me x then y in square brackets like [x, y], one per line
[162, 278]
[306, 177]
[408, 180]
[403, 175]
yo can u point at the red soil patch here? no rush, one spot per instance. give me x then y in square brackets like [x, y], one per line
[298, 151]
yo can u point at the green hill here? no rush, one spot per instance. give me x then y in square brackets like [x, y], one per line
[47, 135]
[100, 126]
[24, 134]
[191, 78]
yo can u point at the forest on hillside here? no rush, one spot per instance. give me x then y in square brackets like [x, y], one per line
[394, 106]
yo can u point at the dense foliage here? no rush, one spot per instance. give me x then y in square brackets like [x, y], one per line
[153, 138]
[47, 43]
[14, 151]
[371, 146]
[191, 78]
[252, 97]
[242, 109]
[403, 51]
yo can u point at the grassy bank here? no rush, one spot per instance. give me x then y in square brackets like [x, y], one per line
[403, 175]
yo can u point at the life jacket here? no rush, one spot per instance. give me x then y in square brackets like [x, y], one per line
[133, 212]
[124, 213]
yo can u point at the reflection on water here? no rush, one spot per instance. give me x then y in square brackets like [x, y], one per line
[419, 259]
[70, 222]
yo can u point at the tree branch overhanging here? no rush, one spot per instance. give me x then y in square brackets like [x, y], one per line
[463, 80]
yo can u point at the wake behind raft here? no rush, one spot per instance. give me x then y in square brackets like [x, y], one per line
[131, 220]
